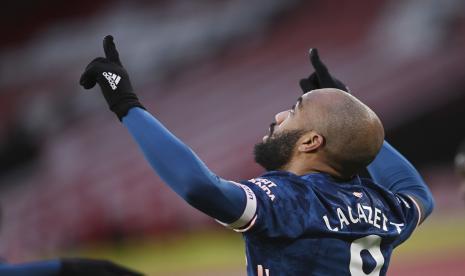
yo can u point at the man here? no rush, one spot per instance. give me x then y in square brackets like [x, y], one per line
[460, 168]
[310, 214]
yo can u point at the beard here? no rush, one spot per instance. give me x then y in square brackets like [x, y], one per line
[276, 151]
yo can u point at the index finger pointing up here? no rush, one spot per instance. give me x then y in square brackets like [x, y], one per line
[317, 64]
[320, 69]
[110, 50]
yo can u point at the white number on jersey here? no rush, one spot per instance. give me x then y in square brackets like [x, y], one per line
[372, 244]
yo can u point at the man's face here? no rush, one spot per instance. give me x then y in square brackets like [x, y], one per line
[277, 147]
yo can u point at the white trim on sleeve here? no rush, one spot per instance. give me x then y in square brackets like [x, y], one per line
[418, 209]
[248, 217]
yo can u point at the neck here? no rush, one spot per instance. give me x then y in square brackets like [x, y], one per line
[303, 168]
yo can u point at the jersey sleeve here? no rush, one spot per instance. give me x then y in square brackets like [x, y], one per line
[393, 171]
[411, 213]
[279, 209]
[182, 170]
[249, 215]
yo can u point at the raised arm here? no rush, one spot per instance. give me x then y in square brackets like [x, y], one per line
[390, 169]
[393, 171]
[184, 172]
[231, 203]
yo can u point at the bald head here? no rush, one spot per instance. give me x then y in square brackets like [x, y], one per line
[353, 133]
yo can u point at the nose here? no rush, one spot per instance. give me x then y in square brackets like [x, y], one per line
[281, 116]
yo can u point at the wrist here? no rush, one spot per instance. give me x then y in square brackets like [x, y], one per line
[121, 110]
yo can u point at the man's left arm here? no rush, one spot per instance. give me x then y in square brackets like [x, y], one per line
[393, 171]
[390, 169]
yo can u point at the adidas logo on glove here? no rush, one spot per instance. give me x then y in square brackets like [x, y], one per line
[113, 79]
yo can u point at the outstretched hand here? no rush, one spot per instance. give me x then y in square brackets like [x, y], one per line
[111, 62]
[112, 78]
[321, 78]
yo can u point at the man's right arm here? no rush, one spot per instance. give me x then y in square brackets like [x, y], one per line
[180, 168]
[393, 171]
[229, 202]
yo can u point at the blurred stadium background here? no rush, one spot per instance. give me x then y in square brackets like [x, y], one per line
[215, 72]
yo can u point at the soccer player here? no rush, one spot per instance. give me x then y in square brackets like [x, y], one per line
[66, 267]
[460, 168]
[310, 213]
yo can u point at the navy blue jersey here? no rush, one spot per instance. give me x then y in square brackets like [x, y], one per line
[317, 225]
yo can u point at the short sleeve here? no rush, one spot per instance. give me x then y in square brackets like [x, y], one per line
[412, 215]
[281, 210]
[249, 215]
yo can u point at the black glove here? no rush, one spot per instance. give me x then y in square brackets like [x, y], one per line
[113, 79]
[87, 267]
[321, 78]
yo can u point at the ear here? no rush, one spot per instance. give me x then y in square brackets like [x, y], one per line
[310, 141]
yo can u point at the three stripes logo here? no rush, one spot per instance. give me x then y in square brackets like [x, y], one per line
[113, 79]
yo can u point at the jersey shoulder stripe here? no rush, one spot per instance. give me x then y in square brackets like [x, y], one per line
[249, 216]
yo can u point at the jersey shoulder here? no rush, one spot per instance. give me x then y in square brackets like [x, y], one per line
[402, 206]
[399, 202]
[290, 205]
[283, 204]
